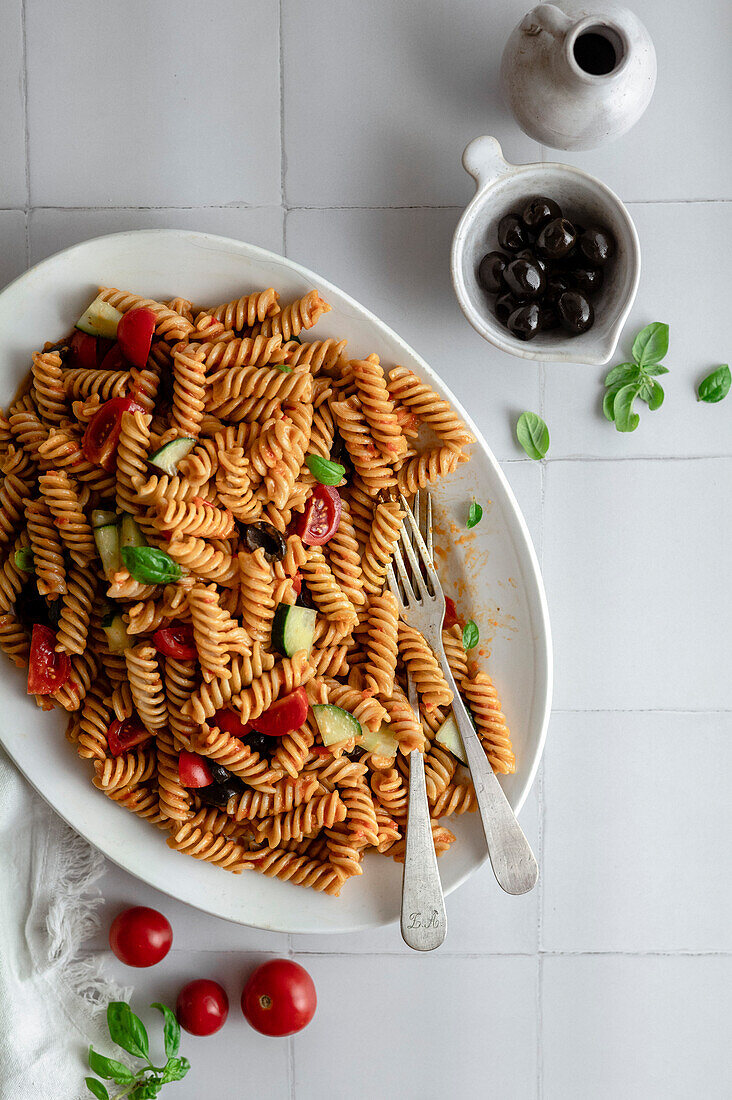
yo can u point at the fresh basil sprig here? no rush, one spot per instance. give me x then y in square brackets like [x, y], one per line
[712, 389]
[128, 1032]
[637, 379]
[325, 471]
[149, 565]
[475, 515]
[533, 435]
[471, 635]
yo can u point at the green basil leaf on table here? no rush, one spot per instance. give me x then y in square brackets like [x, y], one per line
[608, 402]
[171, 1029]
[325, 471]
[533, 435]
[96, 1088]
[176, 1069]
[622, 374]
[24, 559]
[110, 1069]
[149, 565]
[625, 419]
[715, 386]
[471, 635]
[656, 397]
[655, 369]
[126, 1029]
[475, 515]
[651, 344]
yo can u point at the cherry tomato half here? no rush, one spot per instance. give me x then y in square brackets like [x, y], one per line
[47, 670]
[102, 435]
[230, 722]
[176, 640]
[113, 359]
[134, 335]
[279, 998]
[322, 515]
[193, 771]
[202, 1007]
[124, 735]
[140, 936]
[287, 714]
[450, 614]
[83, 351]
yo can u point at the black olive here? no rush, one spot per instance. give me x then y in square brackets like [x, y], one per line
[548, 317]
[223, 775]
[218, 794]
[597, 245]
[557, 282]
[587, 279]
[305, 599]
[527, 254]
[258, 742]
[524, 321]
[490, 270]
[524, 279]
[31, 608]
[512, 233]
[576, 315]
[538, 211]
[355, 753]
[556, 239]
[267, 537]
[504, 306]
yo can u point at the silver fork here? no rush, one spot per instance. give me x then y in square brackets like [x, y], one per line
[423, 917]
[422, 606]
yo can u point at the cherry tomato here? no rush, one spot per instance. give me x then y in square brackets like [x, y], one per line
[104, 346]
[202, 1007]
[176, 640]
[47, 670]
[124, 735]
[193, 770]
[113, 359]
[230, 722]
[297, 584]
[102, 435]
[322, 515]
[279, 998]
[450, 614]
[83, 349]
[287, 714]
[140, 936]
[134, 335]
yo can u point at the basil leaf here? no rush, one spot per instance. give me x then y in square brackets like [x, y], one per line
[325, 471]
[24, 559]
[645, 389]
[651, 344]
[148, 1090]
[625, 372]
[150, 565]
[96, 1088]
[533, 435]
[109, 1068]
[608, 402]
[176, 1069]
[712, 389]
[171, 1029]
[475, 515]
[655, 368]
[126, 1029]
[471, 635]
[625, 419]
[656, 397]
[283, 367]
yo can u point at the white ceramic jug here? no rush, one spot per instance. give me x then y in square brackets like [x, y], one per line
[575, 81]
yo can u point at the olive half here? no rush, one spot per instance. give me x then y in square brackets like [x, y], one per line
[538, 211]
[218, 794]
[512, 233]
[268, 538]
[524, 278]
[524, 321]
[556, 239]
[490, 270]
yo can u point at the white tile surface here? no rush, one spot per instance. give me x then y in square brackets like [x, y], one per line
[13, 191]
[52, 230]
[401, 89]
[668, 292]
[186, 111]
[633, 556]
[12, 245]
[396, 263]
[433, 1004]
[638, 824]
[654, 1028]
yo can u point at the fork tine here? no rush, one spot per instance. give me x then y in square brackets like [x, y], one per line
[418, 541]
[394, 585]
[418, 581]
[409, 596]
[428, 521]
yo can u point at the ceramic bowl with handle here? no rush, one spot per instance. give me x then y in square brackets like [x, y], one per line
[503, 188]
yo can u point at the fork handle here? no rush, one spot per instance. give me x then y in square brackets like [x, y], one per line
[424, 920]
[513, 862]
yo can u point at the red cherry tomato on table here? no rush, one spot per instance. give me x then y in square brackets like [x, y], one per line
[322, 515]
[202, 1007]
[47, 670]
[450, 614]
[134, 335]
[230, 722]
[140, 936]
[176, 640]
[83, 351]
[287, 714]
[124, 735]
[279, 998]
[102, 435]
[193, 771]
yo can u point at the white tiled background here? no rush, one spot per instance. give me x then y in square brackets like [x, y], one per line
[333, 131]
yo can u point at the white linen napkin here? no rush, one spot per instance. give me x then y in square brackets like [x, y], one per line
[52, 994]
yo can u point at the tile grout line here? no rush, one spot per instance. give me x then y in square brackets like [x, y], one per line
[26, 130]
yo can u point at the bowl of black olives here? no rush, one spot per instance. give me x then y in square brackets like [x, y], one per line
[545, 259]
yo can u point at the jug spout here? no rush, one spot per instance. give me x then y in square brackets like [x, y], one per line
[546, 17]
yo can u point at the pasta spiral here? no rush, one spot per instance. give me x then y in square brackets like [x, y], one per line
[378, 408]
[485, 705]
[169, 325]
[247, 311]
[60, 493]
[146, 685]
[48, 386]
[48, 557]
[296, 316]
[423, 668]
